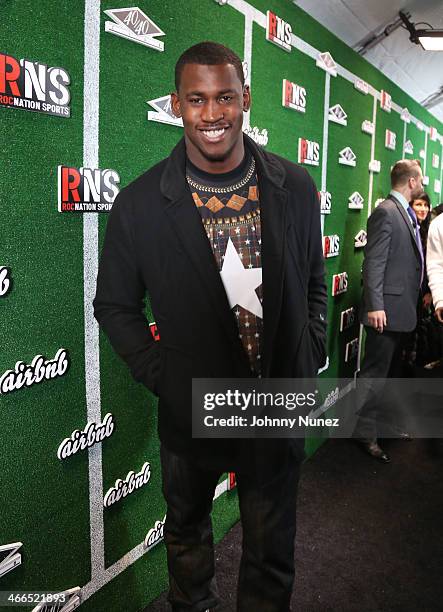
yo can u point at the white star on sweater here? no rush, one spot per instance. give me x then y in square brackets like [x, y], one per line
[240, 283]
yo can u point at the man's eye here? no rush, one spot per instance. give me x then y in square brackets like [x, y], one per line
[226, 98]
[196, 100]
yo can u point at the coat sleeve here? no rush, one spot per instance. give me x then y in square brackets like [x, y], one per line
[119, 303]
[376, 258]
[317, 293]
[434, 260]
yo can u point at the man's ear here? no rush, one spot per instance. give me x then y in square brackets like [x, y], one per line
[246, 98]
[175, 104]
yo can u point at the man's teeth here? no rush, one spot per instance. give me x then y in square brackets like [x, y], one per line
[214, 133]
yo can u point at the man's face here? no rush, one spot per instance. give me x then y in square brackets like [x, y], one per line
[211, 102]
[416, 184]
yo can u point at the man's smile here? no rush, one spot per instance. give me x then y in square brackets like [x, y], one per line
[213, 134]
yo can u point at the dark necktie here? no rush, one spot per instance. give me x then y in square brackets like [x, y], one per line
[416, 226]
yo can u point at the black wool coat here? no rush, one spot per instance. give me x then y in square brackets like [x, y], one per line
[156, 244]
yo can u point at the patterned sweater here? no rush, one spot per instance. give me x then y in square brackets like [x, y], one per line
[229, 206]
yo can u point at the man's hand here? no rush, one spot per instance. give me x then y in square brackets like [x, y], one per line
[439, 314]
[377, 320]
[427, 300]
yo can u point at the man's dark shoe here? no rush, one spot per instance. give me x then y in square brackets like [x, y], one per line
[370, 446]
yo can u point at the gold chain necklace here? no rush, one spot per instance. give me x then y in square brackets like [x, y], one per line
[209, 189]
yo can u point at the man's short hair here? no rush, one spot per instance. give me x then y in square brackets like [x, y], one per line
[403, 170]
[208, 54]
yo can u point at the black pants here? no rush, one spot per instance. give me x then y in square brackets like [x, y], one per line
[268, 515]
[382, 359]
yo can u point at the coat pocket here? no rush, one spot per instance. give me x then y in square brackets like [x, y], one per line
[304, 362]
[393, 289]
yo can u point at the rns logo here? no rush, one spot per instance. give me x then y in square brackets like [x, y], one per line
[308, 152]
[34, 86]
[385, 101]
[325, 202]
[339, 283]
[86, 190]
[347, 318]
[278, 31]
[390, 140]
[294, 96]
[331, 245]
[351, 350]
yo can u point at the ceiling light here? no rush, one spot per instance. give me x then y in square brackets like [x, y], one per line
[430, 40]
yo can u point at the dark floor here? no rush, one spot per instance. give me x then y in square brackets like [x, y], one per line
[370, 535]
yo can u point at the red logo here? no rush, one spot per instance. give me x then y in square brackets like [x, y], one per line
[34, 86]
[339, 283]
[278, 31]
[385, 101]
[154, 331]
[86, 190]
[294, 96]
[331, 245]
[308, 152]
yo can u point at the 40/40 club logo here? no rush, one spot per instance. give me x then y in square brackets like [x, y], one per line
[86, 190]
[133, 24]
[34, 86]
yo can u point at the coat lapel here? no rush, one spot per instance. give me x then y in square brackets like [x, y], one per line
[273, 207]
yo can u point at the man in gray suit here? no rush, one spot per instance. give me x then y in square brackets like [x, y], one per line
[392, 275]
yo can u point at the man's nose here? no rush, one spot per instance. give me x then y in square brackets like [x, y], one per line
[212, 111]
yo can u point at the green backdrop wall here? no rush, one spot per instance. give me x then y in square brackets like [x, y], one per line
[54, 507]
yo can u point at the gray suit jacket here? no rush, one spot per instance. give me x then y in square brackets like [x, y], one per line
[391, 267]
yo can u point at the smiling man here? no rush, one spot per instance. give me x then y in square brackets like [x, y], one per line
[225, 238]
